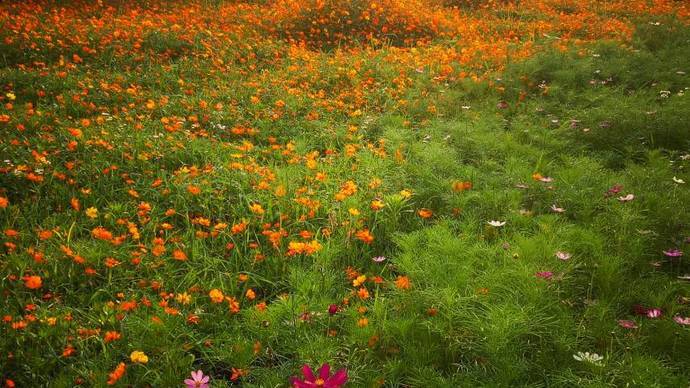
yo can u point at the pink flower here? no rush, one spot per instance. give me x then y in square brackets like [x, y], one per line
[324, 379]
[673, 253]
[682, 321]
[198, 380]
[333, 309]
[627, 324]
[544, 274]
[654, 313]
[613, 190]
[563, 255]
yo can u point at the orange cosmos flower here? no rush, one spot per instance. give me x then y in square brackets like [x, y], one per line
[216, 295]
[117, 374]
[33, 282]
[179, 255]
[425, 213]
[101, 233]
[365, 236]
[402, 282]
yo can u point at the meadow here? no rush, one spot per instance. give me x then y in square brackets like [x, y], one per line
[410, 193]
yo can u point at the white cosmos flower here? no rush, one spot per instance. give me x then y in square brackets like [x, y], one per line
[591, 358]
[496, 224]
[557, 209]
[678, 180]
[627, 198]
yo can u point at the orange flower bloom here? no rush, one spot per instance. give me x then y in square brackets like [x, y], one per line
[365, 236]
[425, 213]
[402, 282]
[33, 282]
[101, 233]
[179, 255]
[216, 295]
[117, 374]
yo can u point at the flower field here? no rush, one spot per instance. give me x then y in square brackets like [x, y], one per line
[364, 193]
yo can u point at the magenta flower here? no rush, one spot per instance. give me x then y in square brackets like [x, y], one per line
[673, 253]
[654, 313]
[544, 275]
[613, 190]
[198, 380]
[682, 321]
[627, 324]
[332, 309]
[324, 379]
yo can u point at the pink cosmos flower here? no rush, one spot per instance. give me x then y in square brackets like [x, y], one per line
[544, 275]
[324, 379]
[654, 313]
[627, 324]
[682, 321]
[673, 253]
[379, 259]
[198, 380]
[613, 190]
[563, 255]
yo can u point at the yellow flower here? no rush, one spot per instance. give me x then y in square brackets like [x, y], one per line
[353, 212]
[358, 282]
[405, 193]
[183, 298]
[91, 212]
[139, 357]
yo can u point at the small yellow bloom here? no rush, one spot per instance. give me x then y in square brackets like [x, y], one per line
[91, 212]
[353, 212]
[358, 282]
[139, 357]
[183, 298]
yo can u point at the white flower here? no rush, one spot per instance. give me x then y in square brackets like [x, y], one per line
[627, 198]
[591, 358]
[496, 224]
[557, 209]
[678, 180]
[563, 255]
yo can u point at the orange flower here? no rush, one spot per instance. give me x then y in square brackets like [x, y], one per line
[216, 295]
[4, 202]
[365, 236]
[402, 282]
[101, 233]
[194, 190]
[117, 374]
[425, 213]
[111, 336]
[33, 282]
[179, 255]
[461, 186]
